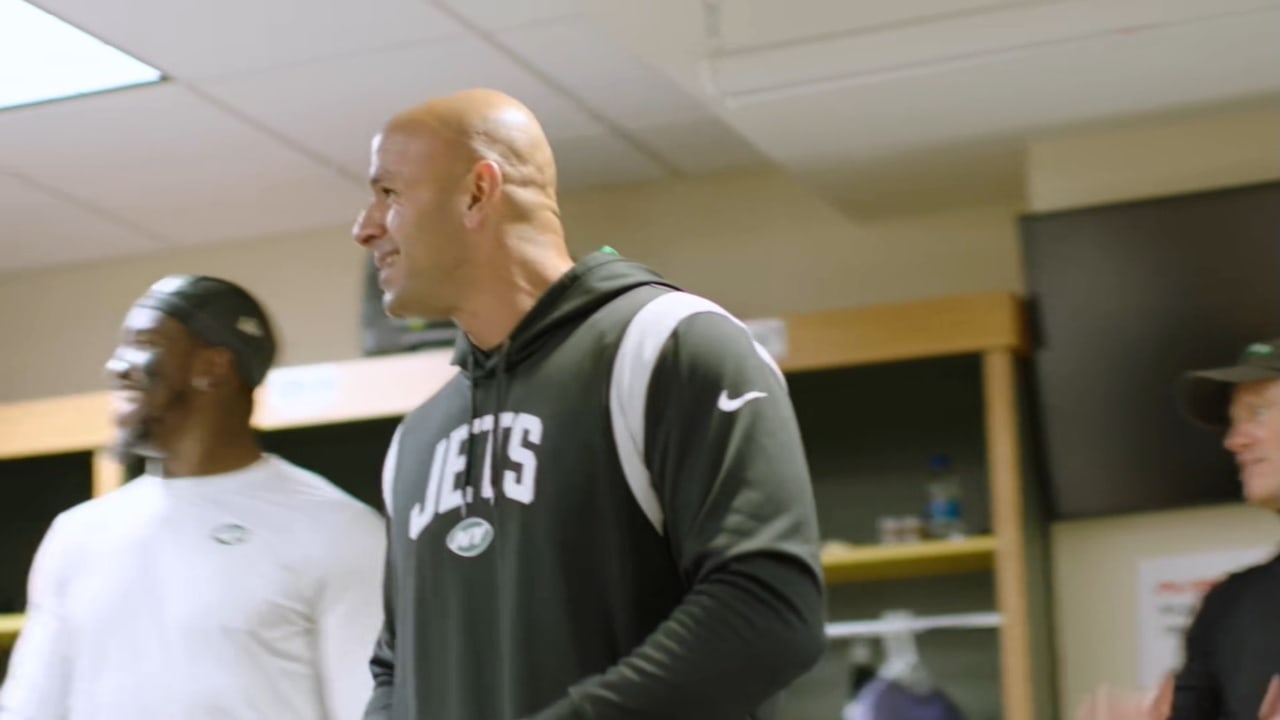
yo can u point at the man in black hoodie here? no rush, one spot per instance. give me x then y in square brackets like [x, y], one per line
[608, 513]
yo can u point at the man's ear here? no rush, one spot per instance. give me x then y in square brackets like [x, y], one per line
[214, 367]
[484, 186]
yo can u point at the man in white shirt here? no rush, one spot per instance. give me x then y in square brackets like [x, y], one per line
[222, 583]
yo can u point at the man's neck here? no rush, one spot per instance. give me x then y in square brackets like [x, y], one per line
[211, 455]
[498, 306]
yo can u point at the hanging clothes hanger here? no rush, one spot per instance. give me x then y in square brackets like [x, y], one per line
[903, 685]
[861, 658]
[902, 663]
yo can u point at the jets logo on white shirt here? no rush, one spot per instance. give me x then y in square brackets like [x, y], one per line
[729, 405]
[230, 534]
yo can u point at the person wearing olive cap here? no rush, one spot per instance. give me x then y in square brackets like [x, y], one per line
[224, 582]
[1231, 664]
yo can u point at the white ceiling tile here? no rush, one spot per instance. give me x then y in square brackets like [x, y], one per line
[1108, 76]
[926, 88]
[701, 146]
[42, 229]
[892, 54]
[175, 164]
[201, 39]
[596, 160]
[583, 58]
[504, 14]
[334, 107]
[745, 23]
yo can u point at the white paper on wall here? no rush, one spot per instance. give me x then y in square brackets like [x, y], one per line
[303, 391]
[1170, 589]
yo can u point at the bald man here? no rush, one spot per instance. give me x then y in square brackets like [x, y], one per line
[607, 513]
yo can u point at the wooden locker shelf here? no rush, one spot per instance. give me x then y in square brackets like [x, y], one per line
[928, 558]
[290, 397]
[10, 624]
[391, 385]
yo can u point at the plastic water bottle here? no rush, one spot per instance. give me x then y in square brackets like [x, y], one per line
[943, 515]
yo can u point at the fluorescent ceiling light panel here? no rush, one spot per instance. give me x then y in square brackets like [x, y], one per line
[43, 58]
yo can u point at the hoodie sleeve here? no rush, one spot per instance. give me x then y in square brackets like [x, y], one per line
[725, 453]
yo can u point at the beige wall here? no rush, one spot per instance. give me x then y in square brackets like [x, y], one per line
[739, 239]
[1137, 160]
[60, 324]
[1095, 561]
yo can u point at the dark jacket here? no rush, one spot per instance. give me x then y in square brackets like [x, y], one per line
[524, 579]
[1232, 648]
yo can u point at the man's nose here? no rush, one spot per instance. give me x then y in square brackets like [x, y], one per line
[1237, 438]
[116, 368]
[368, 227]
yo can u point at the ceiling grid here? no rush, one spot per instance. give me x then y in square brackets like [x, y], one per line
[263, 125]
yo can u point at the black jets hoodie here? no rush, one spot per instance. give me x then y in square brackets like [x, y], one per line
[526, 579]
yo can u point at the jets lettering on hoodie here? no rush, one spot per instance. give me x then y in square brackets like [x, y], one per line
[446, 492]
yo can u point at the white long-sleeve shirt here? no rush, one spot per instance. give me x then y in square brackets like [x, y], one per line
[251, 594]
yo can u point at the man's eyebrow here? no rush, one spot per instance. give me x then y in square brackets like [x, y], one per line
[142, 334]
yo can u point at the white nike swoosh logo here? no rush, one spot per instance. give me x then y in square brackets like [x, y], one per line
[729, 404]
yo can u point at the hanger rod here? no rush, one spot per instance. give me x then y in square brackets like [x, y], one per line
[876, 628]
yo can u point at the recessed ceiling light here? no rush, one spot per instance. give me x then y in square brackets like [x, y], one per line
[43, 58]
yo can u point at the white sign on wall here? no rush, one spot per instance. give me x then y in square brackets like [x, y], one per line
[303, 390]
[1169, 593]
